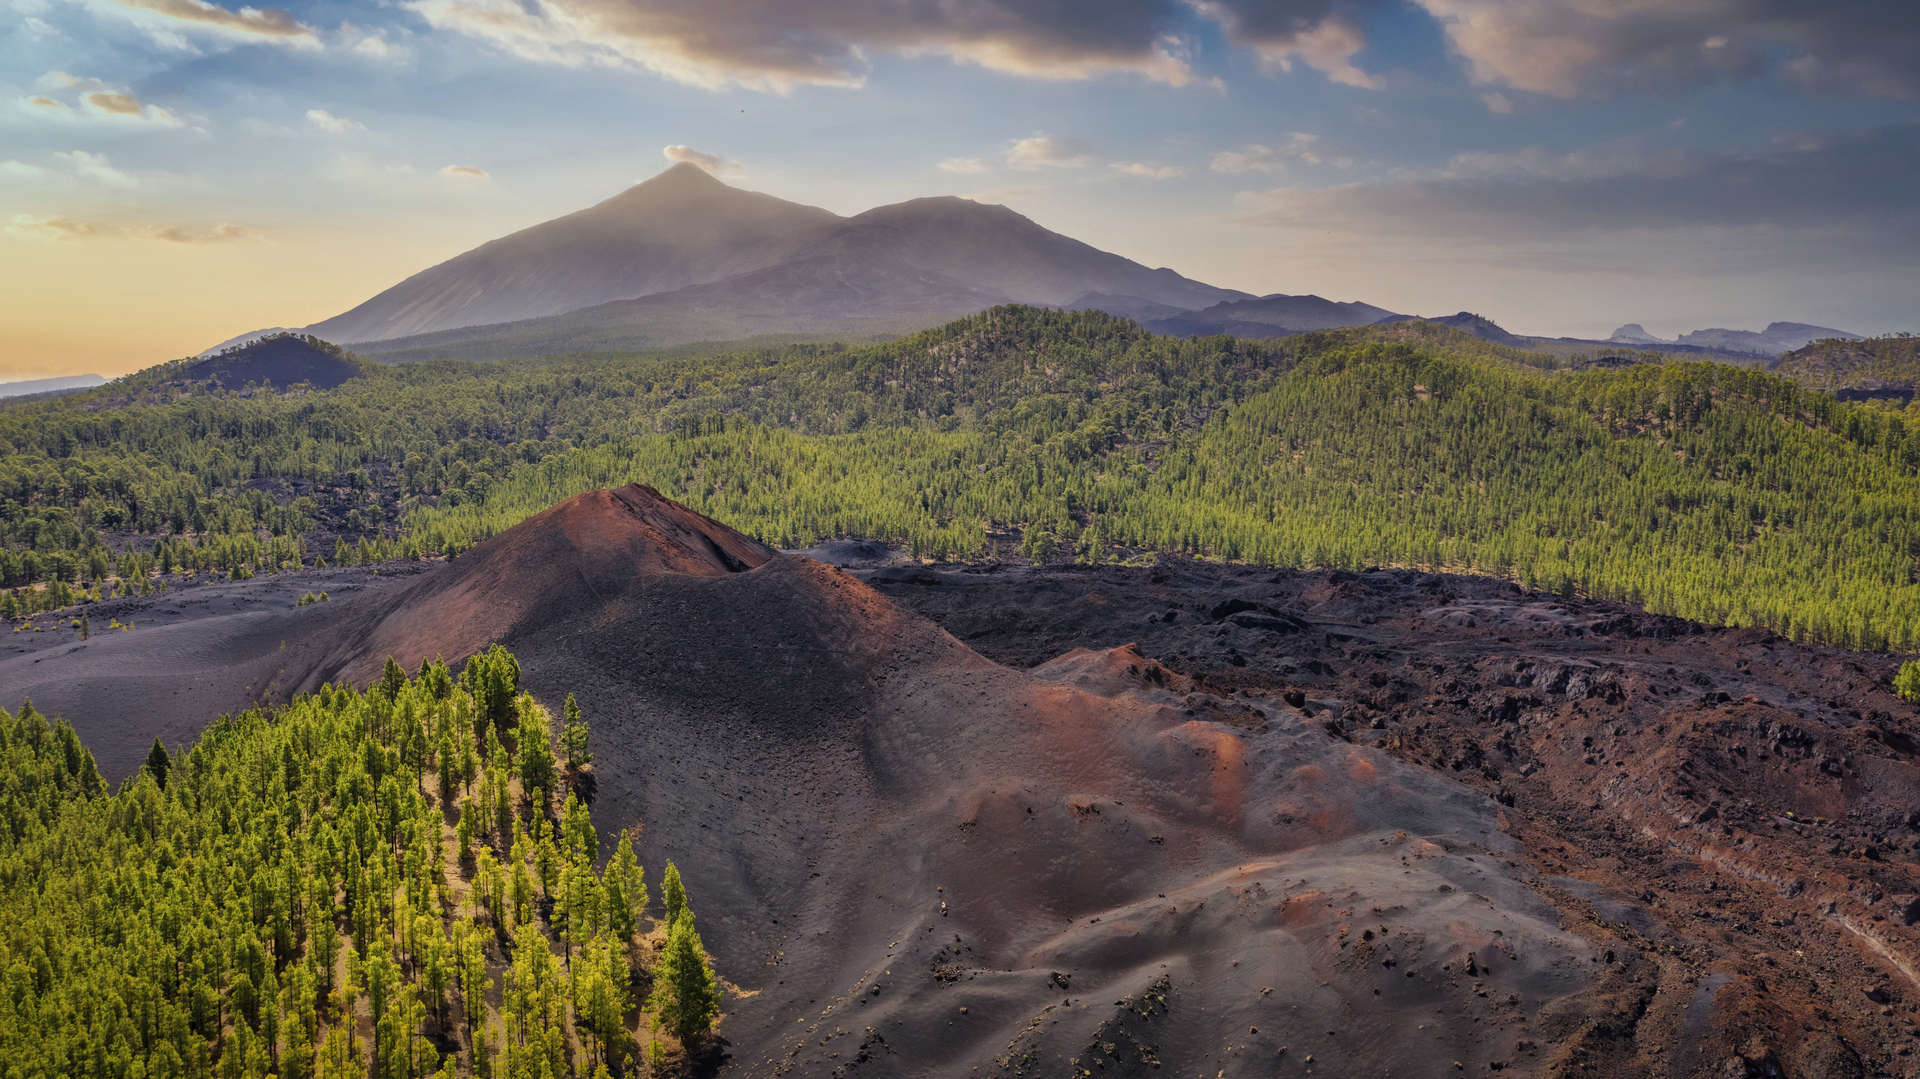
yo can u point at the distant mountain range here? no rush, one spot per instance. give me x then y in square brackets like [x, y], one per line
[1777, 339]
[63, 384]
[685, 258]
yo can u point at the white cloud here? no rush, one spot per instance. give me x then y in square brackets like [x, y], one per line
[322, 120]
[1047, 152]
[464, 172]
[1301, 147]
[372, 44]
[1147, 171]
[95, 167]
[966, 166]
[687, 155]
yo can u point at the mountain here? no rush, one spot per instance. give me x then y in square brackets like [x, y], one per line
[683, 227]
[60, 384]
[1635, 334]
[694, 259]
[1277, 315]
[1777, 338]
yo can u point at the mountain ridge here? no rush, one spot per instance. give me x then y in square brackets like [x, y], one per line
[683, 229]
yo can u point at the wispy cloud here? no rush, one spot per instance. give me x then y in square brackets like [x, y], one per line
[91, 166]
[465, 172]
[322, 120]
[1043, 151]
[68, 228]
[258, 24]
[1146, 171]
[687, 155]
[965, 166]
[1302, 147]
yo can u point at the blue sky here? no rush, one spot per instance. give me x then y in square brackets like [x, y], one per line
[174, 171]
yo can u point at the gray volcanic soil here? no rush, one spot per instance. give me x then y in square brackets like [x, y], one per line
[1314, 823]
[193, 654]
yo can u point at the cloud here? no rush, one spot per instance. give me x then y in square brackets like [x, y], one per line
[20, 170]
[687, 155]
[44, 102]
[322, 120]
[95, 167]
[966, 166]
[118, 104]
[1596, 48]
[126, 106]
[1302, 147]
[1047, 152]
[372, 44]
[1145, 171]
[1856, 185]
[465, 172]
[247, 23]
[777, 45]
[67, 228]
[1321, 34]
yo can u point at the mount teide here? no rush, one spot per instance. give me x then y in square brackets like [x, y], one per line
[685, 257]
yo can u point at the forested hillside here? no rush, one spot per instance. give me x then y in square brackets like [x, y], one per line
[394, 883]
[1874, 368]
[1715, 493]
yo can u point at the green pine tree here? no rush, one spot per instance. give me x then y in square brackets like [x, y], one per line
[159, 763]
[686, 993]
[673, 894]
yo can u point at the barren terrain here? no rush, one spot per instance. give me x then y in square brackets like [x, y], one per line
[1194, 819]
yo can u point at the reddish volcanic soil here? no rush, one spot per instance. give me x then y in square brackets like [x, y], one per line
[1193, 820]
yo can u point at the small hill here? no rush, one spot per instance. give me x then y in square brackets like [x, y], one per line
[279, 360]
[1856, 369]
[1635, 334]
[1469, 323]
[1278, 315]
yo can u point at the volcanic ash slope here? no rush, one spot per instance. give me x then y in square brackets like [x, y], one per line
[913, 861]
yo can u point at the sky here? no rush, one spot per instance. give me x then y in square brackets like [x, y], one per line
[176, 172]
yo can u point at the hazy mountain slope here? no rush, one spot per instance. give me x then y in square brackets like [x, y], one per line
[1134, 307]
[49, 385]
[997, 250]
[830, 295]
[1777, 338]
[1271, 316]
[680, 228]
